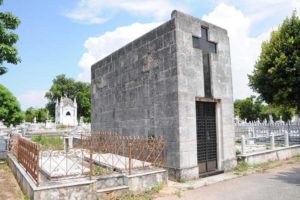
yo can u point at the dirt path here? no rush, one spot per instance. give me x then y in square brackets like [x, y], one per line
[9, 188]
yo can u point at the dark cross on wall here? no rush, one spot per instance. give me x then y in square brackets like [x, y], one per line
[207, 47]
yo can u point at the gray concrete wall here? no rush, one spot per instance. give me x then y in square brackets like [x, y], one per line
[191, 85]
[134, 90]
[146, 180]
[271, 155]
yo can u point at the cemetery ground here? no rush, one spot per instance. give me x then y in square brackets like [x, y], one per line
[271, 180]
[9, 188]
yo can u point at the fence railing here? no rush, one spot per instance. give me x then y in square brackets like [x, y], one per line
[56, 164]
[262, 136]
[13, 144]
[28, 156]
[123, 153]
[89, 156]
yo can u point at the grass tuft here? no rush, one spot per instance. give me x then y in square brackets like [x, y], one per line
[49, 142]
[147, 195]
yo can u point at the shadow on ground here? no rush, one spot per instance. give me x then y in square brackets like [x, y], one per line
[291, 177]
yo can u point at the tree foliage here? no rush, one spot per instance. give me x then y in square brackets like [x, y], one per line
[276, 76]
[67, 86]
[40, 114]
[10, 111]
[248, 109]
[253, 108]
[8, 52]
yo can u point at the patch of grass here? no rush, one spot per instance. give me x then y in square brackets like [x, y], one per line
[265, 166]
[297, 158]
[26, 197]
[49, 142]
[237, 152]
[61, 126]
[147, 195]
[101, 171]
[178, 193]
[238, 142]
[242, 167]
[8, 185]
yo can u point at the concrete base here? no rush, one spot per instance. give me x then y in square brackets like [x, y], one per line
[271, 155]
[145, 180]
[183, 174]
[84, 188]
[190, 185]
[229, 164]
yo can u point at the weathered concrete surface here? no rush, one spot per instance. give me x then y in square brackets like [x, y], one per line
[150, 86]
[84, 188]
[281, 153]
[73, 190]
[277, 184]
[145, 180]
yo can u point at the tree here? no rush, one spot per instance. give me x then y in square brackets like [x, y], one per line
[253, 108]
[40, 114]
[8, 52]
[67, 86]
[248, 109]
[276, 76]
[10, 111]
[29, 114]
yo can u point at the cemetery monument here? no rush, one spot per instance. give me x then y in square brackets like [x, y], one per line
[66, 112]
[176, 82]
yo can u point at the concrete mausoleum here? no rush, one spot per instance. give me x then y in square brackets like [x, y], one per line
[175, 82]
[66, 112]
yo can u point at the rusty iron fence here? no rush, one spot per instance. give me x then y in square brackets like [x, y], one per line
[123, 153]
[28, 156]
[90, 155]
[13, 143]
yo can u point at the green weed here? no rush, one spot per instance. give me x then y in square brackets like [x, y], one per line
[49, 142]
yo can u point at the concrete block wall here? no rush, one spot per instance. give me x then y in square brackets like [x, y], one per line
[134, 90]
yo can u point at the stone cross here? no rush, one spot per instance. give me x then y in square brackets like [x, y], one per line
[207, 47]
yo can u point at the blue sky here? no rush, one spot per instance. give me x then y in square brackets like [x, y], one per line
[67, 36]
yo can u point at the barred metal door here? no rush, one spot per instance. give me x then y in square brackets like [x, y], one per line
[206, 137]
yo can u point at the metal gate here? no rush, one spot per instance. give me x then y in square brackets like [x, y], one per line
[206, 137]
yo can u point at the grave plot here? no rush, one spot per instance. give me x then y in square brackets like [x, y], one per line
[117, 161]
[58, 164]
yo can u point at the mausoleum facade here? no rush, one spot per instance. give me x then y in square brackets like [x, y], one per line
[175, 82]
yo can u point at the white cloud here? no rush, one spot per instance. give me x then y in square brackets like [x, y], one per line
[265, 10]
[99, 11]
[103, 45]
[32, 98]
[244, 48]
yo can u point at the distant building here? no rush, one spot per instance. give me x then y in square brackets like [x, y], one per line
[66, 112]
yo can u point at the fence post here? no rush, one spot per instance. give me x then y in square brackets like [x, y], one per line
[243, 142]
[129, 157]
[272, 141]
[91, 158]
[286, 139]
[38, 167]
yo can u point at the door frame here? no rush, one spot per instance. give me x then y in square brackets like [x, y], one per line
[219, 137]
